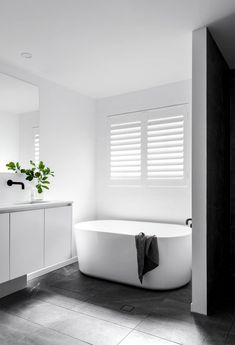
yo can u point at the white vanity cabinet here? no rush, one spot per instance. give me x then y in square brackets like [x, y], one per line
[58, 234]
[4, 248]
[34, 237]
[26, 242]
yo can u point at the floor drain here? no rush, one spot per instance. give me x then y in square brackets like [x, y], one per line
[127, 308]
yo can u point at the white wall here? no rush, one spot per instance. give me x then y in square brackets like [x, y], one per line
[14, 193]
[144, 203]
[9, 139]
[67, 133]
[67, 144]
[199, 167]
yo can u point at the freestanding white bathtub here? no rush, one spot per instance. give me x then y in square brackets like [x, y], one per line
[106, 249]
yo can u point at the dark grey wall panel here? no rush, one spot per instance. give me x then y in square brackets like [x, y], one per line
[218, 175]
[232, 174]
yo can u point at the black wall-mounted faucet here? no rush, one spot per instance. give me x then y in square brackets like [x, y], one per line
[10, 183]
[189, 222]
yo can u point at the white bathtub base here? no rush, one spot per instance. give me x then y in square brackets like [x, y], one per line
[112, 255]
[138, 284]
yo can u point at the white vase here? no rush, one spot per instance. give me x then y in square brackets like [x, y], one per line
[35, 196]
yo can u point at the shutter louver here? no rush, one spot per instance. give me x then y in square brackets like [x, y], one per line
[165, 147]
[36, 145]
[125, 150]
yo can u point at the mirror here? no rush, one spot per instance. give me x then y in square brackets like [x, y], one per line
[19, 121]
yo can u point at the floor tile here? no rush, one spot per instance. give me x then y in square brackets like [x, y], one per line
[173, 321]
[92, 330]
[106, 307]
[111, 312]
[182, 294]
[60, 297]
[78, 282]
[138, 338]
[231, 336]
[46, 336]
[232, 330]
[142, 301]
[17, 331]
[68, 322]
[37, 311]
[214, 335]
[67, 307]
[230, 339]
[121, 292]
[74, 280]
[70, 272]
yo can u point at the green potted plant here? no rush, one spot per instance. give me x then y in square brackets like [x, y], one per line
[37, 174]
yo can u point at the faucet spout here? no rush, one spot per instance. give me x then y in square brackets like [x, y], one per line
[10, 183]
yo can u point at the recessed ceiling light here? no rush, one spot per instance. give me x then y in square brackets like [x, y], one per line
[26, 55]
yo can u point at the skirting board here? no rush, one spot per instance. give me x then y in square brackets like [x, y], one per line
[51, 268]
[12, 286]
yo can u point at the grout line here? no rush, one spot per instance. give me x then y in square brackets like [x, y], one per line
[135, 329]
[69, 290]
[43, 326]
[158, 337]
[125, 337]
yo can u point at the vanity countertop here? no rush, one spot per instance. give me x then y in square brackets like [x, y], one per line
[28, 205]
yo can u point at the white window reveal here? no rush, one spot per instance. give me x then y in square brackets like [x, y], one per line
[36, 138]
[149, 147]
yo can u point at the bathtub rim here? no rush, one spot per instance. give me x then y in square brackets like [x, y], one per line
[188, 230]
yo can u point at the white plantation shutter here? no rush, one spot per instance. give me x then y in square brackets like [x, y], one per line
[36, 138]
[125, 148]
[166, 145]
[148, 147]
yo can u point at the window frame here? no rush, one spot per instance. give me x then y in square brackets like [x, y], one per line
[143, 116]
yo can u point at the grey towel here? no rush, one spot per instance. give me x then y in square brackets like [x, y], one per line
[147, 254]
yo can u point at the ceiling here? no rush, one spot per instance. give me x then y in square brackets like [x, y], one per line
[106, 47]
[17, 96]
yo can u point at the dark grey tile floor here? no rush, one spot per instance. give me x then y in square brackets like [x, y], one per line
[67, 308]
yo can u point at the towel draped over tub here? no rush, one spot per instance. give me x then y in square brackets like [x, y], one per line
[147, 254]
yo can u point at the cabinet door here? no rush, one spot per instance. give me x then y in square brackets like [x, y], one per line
[26, 242]
[58, 234]
[4, 247]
